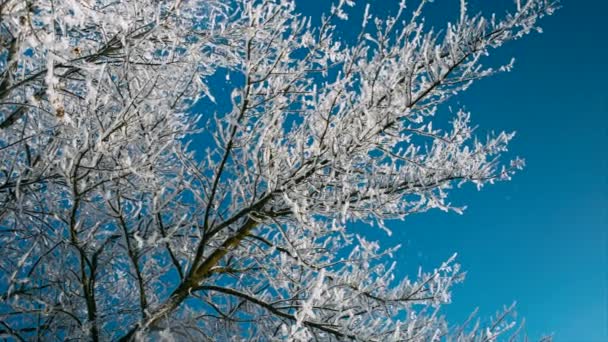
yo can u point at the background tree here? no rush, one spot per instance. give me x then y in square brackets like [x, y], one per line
[112, 228]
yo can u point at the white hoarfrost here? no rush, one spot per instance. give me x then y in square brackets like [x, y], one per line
[189, 170]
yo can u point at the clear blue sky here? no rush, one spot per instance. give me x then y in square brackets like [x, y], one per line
[540, 239]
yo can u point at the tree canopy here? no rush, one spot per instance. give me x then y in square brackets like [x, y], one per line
[136, 205]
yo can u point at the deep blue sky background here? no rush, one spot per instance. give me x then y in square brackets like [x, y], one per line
[540, 239]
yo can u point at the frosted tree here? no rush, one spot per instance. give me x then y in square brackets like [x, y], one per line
[134, 205]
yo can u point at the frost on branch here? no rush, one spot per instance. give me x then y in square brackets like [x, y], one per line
[189, 169]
